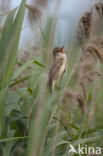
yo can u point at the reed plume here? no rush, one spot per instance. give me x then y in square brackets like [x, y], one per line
[89, 65]
[73, 97]
[84, 27]
[90, 23]
[34, 12]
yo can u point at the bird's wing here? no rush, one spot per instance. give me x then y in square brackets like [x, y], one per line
[55, 68]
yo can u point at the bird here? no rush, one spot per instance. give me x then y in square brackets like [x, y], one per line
[58, 68]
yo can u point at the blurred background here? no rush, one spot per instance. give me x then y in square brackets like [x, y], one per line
[26, 108]
[69, 13]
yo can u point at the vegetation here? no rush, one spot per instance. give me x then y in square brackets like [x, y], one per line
[34, 123]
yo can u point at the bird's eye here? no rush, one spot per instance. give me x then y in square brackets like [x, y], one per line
[58, 49]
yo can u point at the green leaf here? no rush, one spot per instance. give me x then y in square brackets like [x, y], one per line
[10, 38]
[25, 66]
[30, 91]
[13, 139]
[75, 127]
[38, 63]
[8, 50]
[91, 131]
[8, 146]
[21, 69]
[19, 81]
[5, 35]
[12, 102]
[87, 140]
[62, 143]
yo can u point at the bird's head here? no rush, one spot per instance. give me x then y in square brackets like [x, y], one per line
[57, 51]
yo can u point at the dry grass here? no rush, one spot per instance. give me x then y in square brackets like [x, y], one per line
[69, 114]
[90, 23]
[89, 62]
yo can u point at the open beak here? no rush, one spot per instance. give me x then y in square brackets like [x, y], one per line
[61, 49]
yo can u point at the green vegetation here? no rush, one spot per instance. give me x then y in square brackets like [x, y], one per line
[32, 122]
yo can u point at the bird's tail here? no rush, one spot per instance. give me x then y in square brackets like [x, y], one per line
[50, 84]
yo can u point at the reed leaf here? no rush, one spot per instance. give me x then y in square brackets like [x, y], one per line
[8, 50]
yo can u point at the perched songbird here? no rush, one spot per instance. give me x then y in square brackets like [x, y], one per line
[58, 67]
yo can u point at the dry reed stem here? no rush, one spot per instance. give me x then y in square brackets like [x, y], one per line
[72, 72]
[86, 75]
[29, 115]
[80, 100]
[84, 89]
[73, 96]
[91, 48]
[99, 9]
[34, 12]
[89, 78]
[42, 3]
[52, 32]
[55, 139]
[50, 44]
[43, 97]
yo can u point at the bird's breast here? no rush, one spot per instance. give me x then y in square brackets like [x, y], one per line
[61, 70]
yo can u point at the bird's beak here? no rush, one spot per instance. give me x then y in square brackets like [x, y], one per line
[61, 49]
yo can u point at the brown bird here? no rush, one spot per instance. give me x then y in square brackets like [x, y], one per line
[58, 67]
